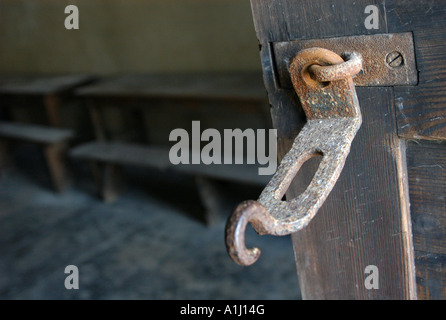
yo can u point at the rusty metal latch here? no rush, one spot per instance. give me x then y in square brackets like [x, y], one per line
[324, 84]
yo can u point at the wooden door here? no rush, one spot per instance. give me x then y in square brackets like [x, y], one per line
[387, 210]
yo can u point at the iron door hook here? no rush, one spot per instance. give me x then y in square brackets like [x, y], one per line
[324, 84]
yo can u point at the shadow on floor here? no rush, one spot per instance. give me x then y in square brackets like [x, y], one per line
[149, 244]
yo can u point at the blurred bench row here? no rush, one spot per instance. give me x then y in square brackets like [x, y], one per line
[146, 108]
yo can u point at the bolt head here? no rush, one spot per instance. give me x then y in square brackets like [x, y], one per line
[395, 59]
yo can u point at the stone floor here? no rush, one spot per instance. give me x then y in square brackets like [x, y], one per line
[149, 244]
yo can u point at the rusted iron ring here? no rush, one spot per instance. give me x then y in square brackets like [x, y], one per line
[333, 118]
[351, 67]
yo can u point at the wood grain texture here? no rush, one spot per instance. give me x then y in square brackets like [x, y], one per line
[364, 221]
[422, 108]
[288, 20]
[360, 223]
[230, 86]
[426, 162]
[124, 154]
[40, 84]
[33, 133]
[19, 92]
[158, 157]
[145, 108]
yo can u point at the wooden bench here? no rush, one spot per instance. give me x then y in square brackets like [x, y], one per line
[35, 91]
[54, 143]
[106, 159]
[144, 108]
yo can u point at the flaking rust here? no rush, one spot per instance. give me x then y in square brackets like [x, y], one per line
[324, 84]
[388, 59]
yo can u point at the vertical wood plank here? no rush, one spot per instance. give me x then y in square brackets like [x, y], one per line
[426, 162]
[365, 220]
[362, 221]
[422, 108]
[287, 20]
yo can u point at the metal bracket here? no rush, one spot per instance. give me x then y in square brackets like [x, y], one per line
[388, 59]
[324, 83]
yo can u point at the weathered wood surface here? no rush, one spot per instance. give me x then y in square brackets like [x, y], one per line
[52, 140]
[34, 133]
[36, 91]
[154, 104]
[142, 109]
[146, 120]
[107, 158]
[39, 84]
[365, 221]
[426, 162]
[123, 153]
[421, 109]
[158, 157]
[289, 20]
[231, 86]
[241, 173]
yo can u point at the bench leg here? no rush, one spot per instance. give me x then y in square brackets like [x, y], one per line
[211, 200]
[108, 178]
[97, 118]
[55, 158]
[52, 105]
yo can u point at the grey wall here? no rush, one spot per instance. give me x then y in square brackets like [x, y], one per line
[119, 36]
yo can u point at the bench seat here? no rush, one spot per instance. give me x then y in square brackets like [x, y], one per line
[34, 133]
[158, 157]
[52, 140]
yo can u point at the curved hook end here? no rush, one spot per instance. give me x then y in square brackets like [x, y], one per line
[247, 211]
